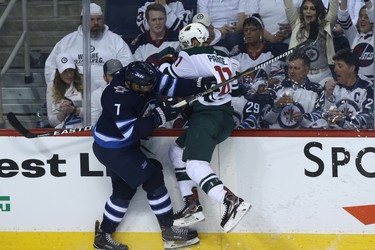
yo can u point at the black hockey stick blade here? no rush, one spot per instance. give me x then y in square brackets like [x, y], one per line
[17, 125]
[312, 37]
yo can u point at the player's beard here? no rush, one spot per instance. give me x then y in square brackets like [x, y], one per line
[96, 32]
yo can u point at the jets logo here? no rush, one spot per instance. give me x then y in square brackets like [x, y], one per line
[139, 75]
[365, 53]
[64, 60]
[312, 53]
[286, 117]
[348, 107]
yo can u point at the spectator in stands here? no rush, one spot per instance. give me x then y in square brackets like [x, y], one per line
[215, 34]
[255, 51]
[312, 13]
[158, 37]
[110, 68]
[227, 16]
[249, 109]
[276, 26]
[296, 95]
[176, 15]
[348, 103]
[360, 37]
[64, 94]
[105, 45]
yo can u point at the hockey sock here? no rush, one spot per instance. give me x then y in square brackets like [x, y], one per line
[114, 211]
[201, 172]
[184, 182]
[160, 203]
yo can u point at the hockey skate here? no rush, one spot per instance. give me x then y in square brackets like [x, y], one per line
[235, 209]
[176, 237]
[104, 240]
[191, 213]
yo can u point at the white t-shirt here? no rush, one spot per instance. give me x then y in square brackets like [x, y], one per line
[271, 12]
[109, 46]
[221, 11]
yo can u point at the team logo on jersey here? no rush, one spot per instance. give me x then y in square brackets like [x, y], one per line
[348, 107]
[120, 89]
[286, 119]
[312, 53]
[365, 53]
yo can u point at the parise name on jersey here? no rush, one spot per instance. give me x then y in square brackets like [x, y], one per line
[217, 59]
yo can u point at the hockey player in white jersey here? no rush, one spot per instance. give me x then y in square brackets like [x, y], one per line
[211, 122]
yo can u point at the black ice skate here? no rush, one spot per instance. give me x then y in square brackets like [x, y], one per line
[176, 237]
[104, 240]
[235, 209]
[191, 213]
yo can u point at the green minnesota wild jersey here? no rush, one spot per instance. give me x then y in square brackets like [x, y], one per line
[198, 62]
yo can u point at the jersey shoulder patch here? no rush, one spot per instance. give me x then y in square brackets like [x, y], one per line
[120, 89]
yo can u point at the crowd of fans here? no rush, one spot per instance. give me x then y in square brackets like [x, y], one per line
[302, 90]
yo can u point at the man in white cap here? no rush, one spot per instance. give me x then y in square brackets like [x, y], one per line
[214, 34]
[105, 45]
[110, 68]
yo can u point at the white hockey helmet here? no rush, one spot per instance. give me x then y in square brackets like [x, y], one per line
[190, 31]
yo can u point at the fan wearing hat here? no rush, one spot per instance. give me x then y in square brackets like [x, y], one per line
[104, 45]
[110, 68]
[214, 34]
[64, 94]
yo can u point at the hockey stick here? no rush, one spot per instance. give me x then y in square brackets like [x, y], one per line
[17, 125]
[312, 37]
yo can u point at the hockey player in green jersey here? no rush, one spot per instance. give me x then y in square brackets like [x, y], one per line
[211, 122]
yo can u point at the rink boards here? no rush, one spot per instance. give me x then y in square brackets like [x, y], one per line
[309, 190]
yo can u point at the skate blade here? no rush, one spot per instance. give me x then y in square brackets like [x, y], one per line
[242, 209]
[188, 221]
[180, 244]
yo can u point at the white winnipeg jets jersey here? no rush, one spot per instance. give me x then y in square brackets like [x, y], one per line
[362, 44]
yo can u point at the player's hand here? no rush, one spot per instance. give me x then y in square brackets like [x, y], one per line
[164, 112]
[204, 83]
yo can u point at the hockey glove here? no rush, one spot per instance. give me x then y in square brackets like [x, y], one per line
[202, 84]
[163, 111]
[167, 55]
